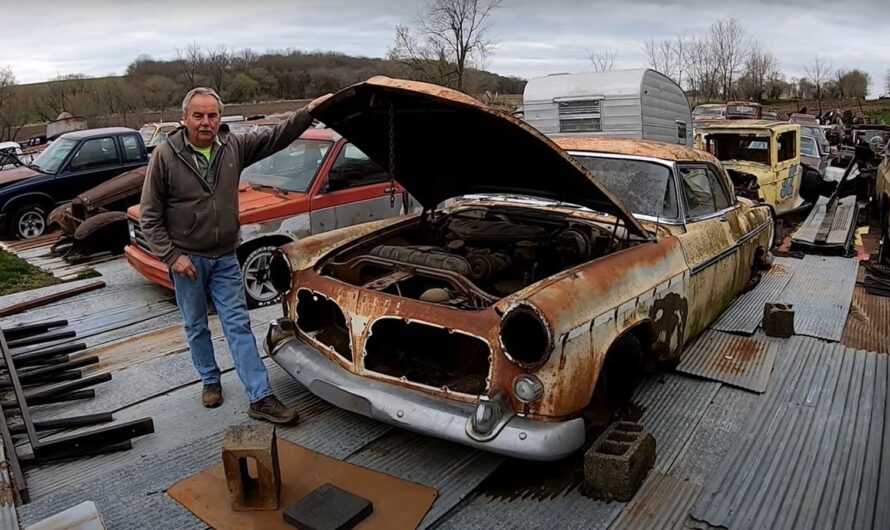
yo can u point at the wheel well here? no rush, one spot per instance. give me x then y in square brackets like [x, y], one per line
[17, 203]
[245, 249]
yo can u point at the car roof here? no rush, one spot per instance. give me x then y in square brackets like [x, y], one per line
[89, 133]
[750, 124]
[633, 147]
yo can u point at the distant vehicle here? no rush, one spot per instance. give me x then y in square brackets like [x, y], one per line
[72, 164]
[642, 104]
[860, 134]
[763, 160]
[744, 110]
[154, 134]
[810, 154]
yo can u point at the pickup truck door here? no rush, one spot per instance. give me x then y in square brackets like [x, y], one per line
[355, 190]
[94, 161]
[709, 243]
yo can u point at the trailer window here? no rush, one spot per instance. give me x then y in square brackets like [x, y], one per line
[580, 116]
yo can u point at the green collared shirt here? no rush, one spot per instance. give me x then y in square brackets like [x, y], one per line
[202, 157]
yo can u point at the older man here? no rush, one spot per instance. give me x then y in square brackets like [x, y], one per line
[189, 217]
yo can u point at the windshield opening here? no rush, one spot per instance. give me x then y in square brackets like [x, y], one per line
[52, 157]
[642, 187]
[748, 147]
[291, 169]
[146, 133]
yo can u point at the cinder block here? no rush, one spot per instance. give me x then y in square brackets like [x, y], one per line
[616, 464]
[328, 508]
[778, 320]
[241, 445]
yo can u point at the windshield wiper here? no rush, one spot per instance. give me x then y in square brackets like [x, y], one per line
[35, 167]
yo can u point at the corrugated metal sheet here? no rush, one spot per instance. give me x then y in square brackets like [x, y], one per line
[662, 503]
[454, 470]
[745, 362]
[841, 224]
[813, 452]
[746, 311]
[821, 291]
[672, 408]
[868, 325]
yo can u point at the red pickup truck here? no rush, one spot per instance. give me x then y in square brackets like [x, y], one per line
[319, 183]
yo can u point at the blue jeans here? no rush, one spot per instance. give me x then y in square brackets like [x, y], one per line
[222, 278]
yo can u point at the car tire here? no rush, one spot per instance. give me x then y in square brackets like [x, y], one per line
[258, 287]
[28, 221]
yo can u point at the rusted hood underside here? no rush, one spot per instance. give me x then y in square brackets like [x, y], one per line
[122, 186]
[448, 144]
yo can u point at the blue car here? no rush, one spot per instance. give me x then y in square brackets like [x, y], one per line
[73, 163]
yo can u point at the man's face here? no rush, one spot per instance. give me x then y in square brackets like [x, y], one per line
[202, 120]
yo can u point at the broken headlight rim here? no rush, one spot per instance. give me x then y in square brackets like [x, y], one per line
[527, 388]
[280, 272]
[526, 337]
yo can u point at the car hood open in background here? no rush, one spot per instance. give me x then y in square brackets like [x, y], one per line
[448, 144]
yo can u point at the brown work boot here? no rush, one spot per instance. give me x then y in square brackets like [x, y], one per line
[270, 409]
[211, 395]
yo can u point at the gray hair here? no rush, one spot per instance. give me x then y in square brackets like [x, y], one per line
[201, 91]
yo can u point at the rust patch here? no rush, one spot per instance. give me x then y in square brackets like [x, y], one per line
[627, 146]
[668, 317]
[740, 353]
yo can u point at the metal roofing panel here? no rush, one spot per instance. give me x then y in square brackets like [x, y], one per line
[840, 230]
[745, 362]
[868, 326]
[811, 453]
[662, 503]
[454, 470]
[809, 229]
[821, 291]
[746, 311]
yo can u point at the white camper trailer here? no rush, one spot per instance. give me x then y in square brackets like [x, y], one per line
[638, 103]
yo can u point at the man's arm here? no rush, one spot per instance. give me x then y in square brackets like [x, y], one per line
[260, 144]
[151, 211]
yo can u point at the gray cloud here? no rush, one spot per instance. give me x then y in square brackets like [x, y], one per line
[99, 37]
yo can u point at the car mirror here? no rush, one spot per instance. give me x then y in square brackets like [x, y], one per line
[876, 144]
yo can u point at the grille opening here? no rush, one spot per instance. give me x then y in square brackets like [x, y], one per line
[428, 355]
[525, 338]
[324, 321]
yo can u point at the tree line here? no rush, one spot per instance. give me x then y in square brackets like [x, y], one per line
[725, 63]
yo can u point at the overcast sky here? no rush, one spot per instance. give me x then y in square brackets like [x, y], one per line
[535, 37]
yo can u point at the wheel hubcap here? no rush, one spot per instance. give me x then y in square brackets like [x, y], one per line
[31, 225]
[256, 278]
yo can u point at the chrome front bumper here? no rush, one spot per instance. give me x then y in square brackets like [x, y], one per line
[409, 409]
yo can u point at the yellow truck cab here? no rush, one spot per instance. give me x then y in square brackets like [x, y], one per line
[761, 157]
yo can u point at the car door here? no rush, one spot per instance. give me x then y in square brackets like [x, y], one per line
[785, 155]
[708, 243]
[95, 161]
[356, 190]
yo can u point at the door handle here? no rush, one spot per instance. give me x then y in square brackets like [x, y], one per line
[723, 218]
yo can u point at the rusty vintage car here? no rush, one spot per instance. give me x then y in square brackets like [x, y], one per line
[522, 304]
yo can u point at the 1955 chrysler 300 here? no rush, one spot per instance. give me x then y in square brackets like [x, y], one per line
[530, 294]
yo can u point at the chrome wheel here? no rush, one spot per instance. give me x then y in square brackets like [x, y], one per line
[31, 224]
[257, 280]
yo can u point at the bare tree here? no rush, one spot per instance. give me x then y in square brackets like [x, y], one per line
[7, 103]
[603, 61]
[660, 56]
[731, 48]
[887, 82]
[191, 62]
[451, 36]
[217, 65]
[852, 83]
[818, 73]
[761, 68]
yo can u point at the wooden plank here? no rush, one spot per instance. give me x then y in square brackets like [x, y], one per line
[49, 299]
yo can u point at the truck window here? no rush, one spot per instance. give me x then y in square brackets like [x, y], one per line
[131, 148]
[353, 169]
[95, 153]
[732, 146]
[580, 116]
[787, 145]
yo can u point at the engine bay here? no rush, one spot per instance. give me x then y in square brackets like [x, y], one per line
[471, 258]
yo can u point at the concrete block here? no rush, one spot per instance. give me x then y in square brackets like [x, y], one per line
[328, 508]
[250, 461]
[616, 464]
[778, 320]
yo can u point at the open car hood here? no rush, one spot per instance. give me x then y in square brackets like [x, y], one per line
[448, 144]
